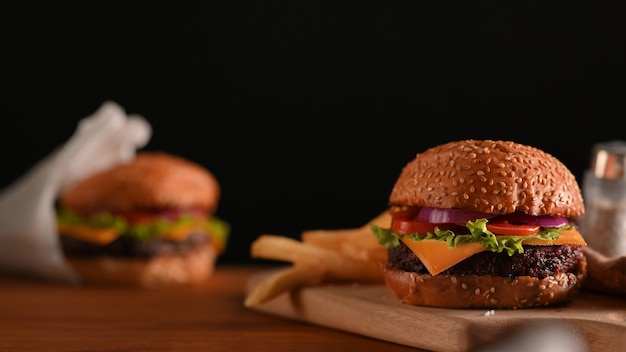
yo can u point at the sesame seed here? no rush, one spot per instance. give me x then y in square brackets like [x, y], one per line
[477, 291]
[464, 286]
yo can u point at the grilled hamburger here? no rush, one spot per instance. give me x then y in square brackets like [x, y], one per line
[484, 224]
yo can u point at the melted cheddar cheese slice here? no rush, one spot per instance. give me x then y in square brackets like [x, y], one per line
[99, 236]
[570, 237]
[103, 236]
[437, 256]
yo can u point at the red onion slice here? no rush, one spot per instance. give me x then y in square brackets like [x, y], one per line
[455, 216]
[460, 217]
[541, 220]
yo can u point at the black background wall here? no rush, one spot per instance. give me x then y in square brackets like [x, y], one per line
[305, 111]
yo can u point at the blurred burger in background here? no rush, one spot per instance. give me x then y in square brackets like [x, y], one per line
[149, 222]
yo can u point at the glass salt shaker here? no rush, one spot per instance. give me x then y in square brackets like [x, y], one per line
[604, 192]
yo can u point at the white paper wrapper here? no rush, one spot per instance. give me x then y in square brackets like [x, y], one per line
[29, 242]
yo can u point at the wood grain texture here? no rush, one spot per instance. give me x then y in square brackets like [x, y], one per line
[37, 316]
[371, 310]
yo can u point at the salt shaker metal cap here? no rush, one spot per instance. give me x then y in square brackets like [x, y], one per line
[609, 160]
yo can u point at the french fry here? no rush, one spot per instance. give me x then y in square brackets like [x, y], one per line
[281, 248]
[322, 255]
[358, 243]
[282, 281]
[335, 265]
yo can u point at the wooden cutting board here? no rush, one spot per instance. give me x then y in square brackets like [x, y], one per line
[371, 310]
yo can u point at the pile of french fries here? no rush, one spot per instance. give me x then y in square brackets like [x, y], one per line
[320, 256]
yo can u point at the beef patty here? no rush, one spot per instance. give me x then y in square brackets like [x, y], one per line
[125, 246]
[536, 261]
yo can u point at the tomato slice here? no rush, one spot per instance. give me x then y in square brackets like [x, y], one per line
[136, 217]
[409, 227]
[404, 222]
[405, 227]
[506, 228]
[146, 216]
[406, 214]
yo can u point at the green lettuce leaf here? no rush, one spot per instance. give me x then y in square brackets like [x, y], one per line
[477, 232]
[219, 229]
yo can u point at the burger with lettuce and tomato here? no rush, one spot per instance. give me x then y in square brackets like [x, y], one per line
[149, 222]
[484, 224]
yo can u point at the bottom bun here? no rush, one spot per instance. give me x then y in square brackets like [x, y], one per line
[168, 270]
[482, 291]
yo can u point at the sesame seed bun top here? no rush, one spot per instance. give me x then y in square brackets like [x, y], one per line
[497, 177]
[151, 181]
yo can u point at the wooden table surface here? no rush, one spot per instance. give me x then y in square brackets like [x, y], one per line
[39, 316]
